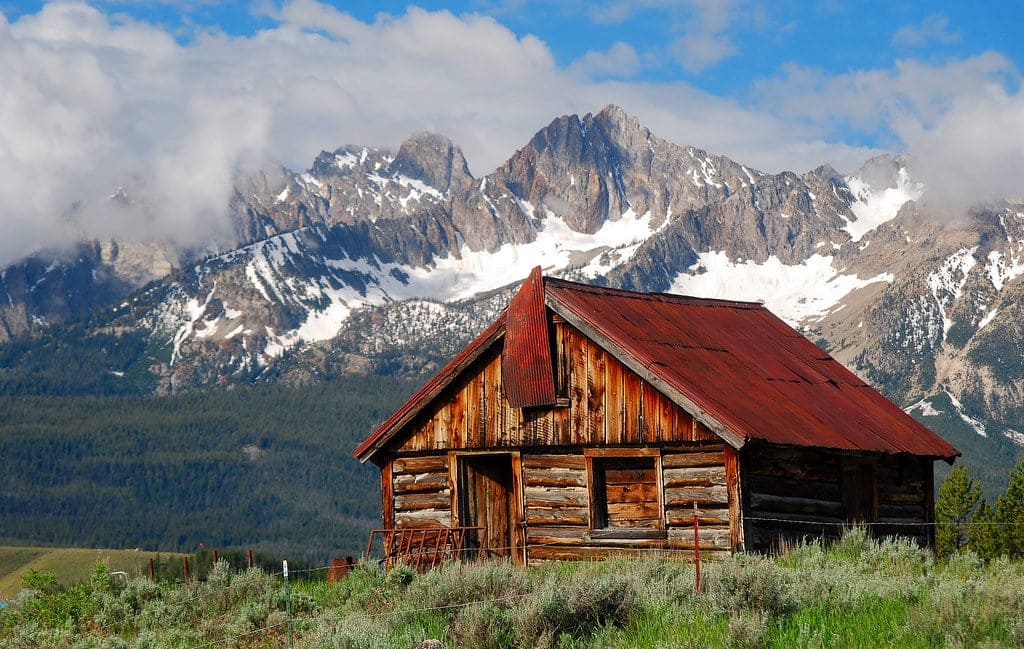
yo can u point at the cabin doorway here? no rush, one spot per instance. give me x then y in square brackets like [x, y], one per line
[487, 499]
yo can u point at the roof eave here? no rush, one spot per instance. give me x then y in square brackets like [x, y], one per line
[387, 430]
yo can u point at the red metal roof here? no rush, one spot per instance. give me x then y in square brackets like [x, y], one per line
[527, 372]
[734, 365]
[745, 369]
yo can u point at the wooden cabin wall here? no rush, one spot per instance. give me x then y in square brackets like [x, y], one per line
[420, 492]
[905, 497]
[605, 403]
[790, 493]
[557, 507]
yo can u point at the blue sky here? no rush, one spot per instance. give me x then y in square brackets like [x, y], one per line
[186, 92]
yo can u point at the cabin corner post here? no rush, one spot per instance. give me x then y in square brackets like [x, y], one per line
[387, 496]
[521, 553]
[734, 485]
[929, 502]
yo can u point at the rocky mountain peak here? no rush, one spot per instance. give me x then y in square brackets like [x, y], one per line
[433, 159]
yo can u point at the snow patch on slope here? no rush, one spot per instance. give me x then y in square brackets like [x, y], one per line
[977, 425]
[873, 208]
[804, 292]
[946, 283]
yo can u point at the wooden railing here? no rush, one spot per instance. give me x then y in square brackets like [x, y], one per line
[425, 547]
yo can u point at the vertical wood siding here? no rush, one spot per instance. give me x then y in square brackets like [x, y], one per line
[607, 404]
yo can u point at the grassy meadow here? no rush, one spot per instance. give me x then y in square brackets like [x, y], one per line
[857, 593]
[69, 565]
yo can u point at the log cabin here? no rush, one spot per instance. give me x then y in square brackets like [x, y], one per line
[587, 421]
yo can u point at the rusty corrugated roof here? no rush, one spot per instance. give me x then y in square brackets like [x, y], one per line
[738, 368]
[527, 372]
[744, 369]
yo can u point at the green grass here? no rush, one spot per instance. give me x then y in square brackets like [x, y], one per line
[70, 565]
[856, 593]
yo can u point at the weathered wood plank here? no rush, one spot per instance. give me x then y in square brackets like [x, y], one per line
[633, 514]
[703, 496]
[699, 458]
[429, 500]
[492, 402]
[712, 537]
[387, 494]
[596, 363]
[578, 392]
[694, 476]
[614, 406]
[420, 482]
[791, 505]
[554, 461]
[555, 497]
[683, 516]
[650, 402]
[555, 478]
[632, 475]
[423, 518]
[556, 515]
[641, 492]
[420, 464]
[633, 395]
[732, 482]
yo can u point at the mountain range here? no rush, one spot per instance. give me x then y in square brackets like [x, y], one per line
[387, 262]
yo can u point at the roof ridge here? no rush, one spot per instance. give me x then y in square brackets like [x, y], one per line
[658, 297]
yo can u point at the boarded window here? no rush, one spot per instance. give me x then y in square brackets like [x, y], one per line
[625, 492]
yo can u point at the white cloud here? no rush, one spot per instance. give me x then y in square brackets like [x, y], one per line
[91, 103]
[619, 60]
[934, 28]
[962, 121]
[705, 40]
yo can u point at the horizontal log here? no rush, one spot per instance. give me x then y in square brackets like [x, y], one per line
[900, 510]
[643, 492]
[557, 516]
[792, 487]
[554, 553]
[628, 533]
[703, 496]
[710, 538]
[797, 520]
[633, 514]
[423, 518]
[420, 464]
[795, 471]
[900, 495]
[683, 517]
[555, 534]
[429, 500]
[420, 482]
[695, 459]
[694, 476]
[629, 476]
[554, 477]
[792, 505]
[553, 461]
[555, 497]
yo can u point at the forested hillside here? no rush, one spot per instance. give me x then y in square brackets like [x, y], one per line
[266, 467]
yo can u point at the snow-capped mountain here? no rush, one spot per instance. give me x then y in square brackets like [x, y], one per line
[383, 261]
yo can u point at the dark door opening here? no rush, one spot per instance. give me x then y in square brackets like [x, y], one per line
[486, 493]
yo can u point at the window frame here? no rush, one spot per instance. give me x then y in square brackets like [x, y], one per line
[597, 499]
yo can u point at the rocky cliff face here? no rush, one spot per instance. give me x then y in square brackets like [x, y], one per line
[383, 261]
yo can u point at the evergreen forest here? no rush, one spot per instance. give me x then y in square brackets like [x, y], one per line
[266, 467]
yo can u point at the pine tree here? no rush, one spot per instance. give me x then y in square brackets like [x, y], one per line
[1009, 515]
[957, 501]
[983, 532]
